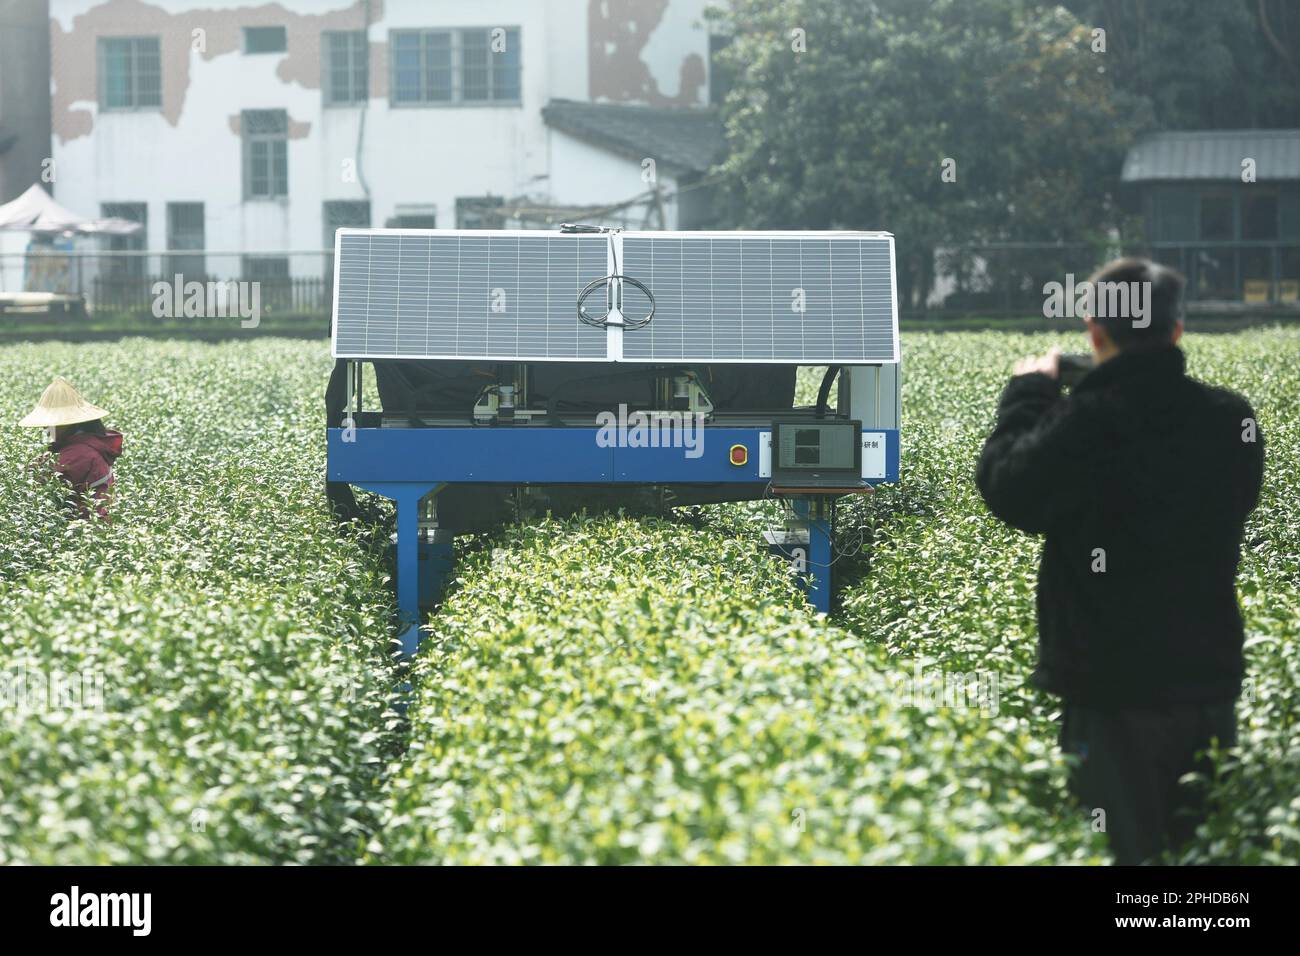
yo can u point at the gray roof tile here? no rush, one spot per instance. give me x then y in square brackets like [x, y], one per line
[1214, 154]
[689, 139]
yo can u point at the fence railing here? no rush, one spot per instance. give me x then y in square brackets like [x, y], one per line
[127, 281]
[967, 279]
[304, 295]
[1009, 278]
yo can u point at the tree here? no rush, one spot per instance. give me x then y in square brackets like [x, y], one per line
[944, 121]
[1231, 64]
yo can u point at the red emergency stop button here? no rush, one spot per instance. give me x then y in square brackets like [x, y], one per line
[739, 455]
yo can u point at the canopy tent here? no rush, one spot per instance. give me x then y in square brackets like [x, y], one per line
[36, 211]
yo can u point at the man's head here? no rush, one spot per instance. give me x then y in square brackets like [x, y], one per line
[1137, 305]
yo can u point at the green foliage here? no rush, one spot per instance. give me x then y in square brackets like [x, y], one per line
[598, 693]
[237, 638]
[597, 690]
[1204, 65]
[948, 581]
[854, 132]
[611, 691]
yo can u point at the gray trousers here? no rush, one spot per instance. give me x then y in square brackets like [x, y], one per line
[1129, 764]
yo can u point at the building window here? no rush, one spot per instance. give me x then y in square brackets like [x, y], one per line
[264, 268]
[479, 212]
[185, 230]
[345, 59]
[421, 66]
[126, 266]
[1259, 217]
[1216, 218]
[490, 65]
[266, 153]
[130, 73]
[413, 217]
[265, 40]
[456, 66]
[344, 214]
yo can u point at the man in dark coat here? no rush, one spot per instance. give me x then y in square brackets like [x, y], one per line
[1141, 479]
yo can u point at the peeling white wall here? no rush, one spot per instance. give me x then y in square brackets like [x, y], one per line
[426, 156]
[681, 29]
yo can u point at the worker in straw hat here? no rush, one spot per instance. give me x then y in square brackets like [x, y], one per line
[81, 450]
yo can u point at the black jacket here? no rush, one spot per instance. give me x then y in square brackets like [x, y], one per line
[1150, 472]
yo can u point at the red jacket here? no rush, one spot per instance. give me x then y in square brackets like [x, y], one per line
[86, 463]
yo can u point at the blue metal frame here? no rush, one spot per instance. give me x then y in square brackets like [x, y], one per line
[405, 464]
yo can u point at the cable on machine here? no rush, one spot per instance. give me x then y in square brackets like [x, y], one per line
[602, 321]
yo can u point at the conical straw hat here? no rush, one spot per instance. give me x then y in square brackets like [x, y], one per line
[61, 404]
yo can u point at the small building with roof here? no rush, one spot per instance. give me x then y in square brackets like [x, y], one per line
[1223, 207]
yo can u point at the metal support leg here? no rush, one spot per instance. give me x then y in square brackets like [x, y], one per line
[819, 580]
[407, 495]
[408, 571]
[819, 563]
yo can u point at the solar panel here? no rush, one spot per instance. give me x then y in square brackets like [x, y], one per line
[427, 294]
[792, 297]
[811, 298]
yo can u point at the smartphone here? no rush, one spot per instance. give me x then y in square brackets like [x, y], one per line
[1074, 366]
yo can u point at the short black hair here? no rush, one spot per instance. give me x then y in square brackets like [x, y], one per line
[1162, 293]
[92, 427]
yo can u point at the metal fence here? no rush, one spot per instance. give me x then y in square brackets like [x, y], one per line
[966, 279]
[1010, 278]
[303, 295]
[293, 283]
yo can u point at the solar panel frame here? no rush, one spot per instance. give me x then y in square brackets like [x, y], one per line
[399, 319]
[520, 333]
[865, 335]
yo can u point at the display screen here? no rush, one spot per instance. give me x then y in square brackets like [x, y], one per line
[818, 447]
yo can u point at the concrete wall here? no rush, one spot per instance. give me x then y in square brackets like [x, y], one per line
[191, 150]
[24, 94]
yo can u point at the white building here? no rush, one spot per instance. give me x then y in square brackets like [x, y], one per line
[256, 128]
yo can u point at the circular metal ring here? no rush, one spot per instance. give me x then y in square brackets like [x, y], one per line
[599, 321]
[583, 315]
[644, 320]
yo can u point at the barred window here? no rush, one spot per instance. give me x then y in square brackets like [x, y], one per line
[345, 59]
[130, 73]
[344, 214]
[185, 230]
[415, 217]
[479, 65]
[135, 242]
[266, 153]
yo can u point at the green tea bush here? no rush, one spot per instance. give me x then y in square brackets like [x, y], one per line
[227, 642]
[1257, 793]
[610, 691]
[595, 690]
[948, 581]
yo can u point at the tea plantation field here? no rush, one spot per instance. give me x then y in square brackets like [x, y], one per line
[603, 689]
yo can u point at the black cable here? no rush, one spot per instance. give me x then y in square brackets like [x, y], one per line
[602, 321]
[824, 393]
